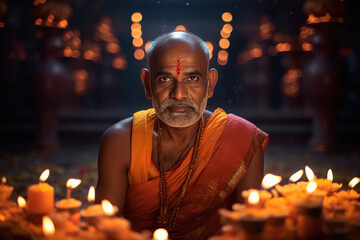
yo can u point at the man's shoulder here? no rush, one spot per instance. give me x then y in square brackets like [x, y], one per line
[119, 129]
[241, 123]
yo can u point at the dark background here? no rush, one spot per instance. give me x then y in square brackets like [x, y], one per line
[112, 94]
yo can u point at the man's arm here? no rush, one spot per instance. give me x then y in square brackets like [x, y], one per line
[253, 176]
[114, 163]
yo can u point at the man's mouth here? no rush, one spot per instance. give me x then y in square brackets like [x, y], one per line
[180, 109]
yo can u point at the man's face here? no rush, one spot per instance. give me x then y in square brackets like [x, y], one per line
[178, 82]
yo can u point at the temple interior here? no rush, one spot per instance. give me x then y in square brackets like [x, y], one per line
[71, 69]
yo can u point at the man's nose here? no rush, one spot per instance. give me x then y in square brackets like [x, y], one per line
[179, 91]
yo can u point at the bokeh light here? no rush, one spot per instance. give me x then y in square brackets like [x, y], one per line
[223, 55]
[147, 45]
[227, 28]
[139, 54]
[180, 28]
[137, 42]
[136, 17]
[227, 17]
[224, 43]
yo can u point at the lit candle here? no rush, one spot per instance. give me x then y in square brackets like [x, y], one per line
[254, 198]
[296, 176]
[270, 180]
[48, 226]
[5, 191]
[69, 204]
[94, 212]
[41, 196]
[309, 173]
[263, 197]
[21, 202]
[309, 220]
[91, 194]
[349, 194]
[71, 184]
[252, 218]
[160, 234]
[108, 207]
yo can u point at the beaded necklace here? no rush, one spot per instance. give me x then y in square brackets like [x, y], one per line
[163, 220]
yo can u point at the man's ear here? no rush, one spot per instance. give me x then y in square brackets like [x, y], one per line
[212, 80]
[145, 78]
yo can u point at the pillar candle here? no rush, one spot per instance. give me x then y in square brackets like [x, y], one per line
[40, 198]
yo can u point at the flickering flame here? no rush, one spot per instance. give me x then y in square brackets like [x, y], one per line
[48, 226]
[73, 183]
[160, 234]
[309, 173]
[3, 180]
[330, 175]
[21, 202]
[44, 175]
[254, 197]
[311, 187]
[107, 207]
[270, 180]
[353, 182]
[296, 176]
[91, 194]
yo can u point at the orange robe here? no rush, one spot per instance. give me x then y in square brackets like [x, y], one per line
[227, 148]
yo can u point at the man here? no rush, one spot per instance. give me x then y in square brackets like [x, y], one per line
[175, 165]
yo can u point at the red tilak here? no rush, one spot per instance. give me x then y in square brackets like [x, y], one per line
[178, 67]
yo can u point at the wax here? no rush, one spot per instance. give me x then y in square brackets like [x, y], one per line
[5, 192]
[40, 198]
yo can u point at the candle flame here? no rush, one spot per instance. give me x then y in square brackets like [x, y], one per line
[73, 183]
[353, 182]
[44, 175]
[21, 202]
[330, 175]
[309, 173]
[48, 226]
[254, 197]
[91, 194]
[160, 234]
[311, 187]
[296, 176]
[107, 207]
[270, 180]
[3, 180]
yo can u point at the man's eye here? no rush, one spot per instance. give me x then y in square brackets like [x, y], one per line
[164, 79]
[192, 78]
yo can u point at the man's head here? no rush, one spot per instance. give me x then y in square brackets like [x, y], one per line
[178, 79]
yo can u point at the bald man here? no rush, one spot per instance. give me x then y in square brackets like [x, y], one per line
[173, 166]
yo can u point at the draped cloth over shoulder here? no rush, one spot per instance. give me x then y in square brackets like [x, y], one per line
[228, 146]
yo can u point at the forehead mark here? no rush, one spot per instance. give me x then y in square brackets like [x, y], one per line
[178, 67]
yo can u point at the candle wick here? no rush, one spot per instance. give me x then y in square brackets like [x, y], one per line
[68, 193]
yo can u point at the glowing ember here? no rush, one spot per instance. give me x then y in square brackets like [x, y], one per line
[353, 182]
[160, 234]
[296, 176]
[107, 207]
[44, 175]
[270, 180]
[91, 194]
[3, 180]
[48, 226]
[330, 175]
[254, 197]
[73, 183]
[21, 202]
[311, 187]
[309, 173]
